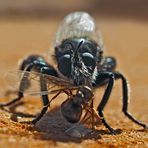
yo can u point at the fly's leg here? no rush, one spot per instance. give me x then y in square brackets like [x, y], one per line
[105, 76]
[41, 66]
[38, 64]
[19, 97]
[110, 77]
[45, 99]
[33, 62]
[125, 99]
[109, 65]
[24, 84]
[46, 103]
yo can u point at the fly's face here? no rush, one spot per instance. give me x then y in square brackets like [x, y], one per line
[77, 59]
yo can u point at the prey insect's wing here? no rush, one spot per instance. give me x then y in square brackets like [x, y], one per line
[78, 25]
[30, 82]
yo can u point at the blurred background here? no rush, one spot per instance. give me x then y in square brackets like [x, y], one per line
[29, 27]
[135, 9]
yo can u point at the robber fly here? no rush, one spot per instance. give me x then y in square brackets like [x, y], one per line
[81, 66]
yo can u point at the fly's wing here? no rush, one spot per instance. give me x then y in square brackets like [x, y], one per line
[30, 84]
[77, 25]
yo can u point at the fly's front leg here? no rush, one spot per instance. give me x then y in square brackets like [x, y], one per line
[38, 64]
[110, 77]
[26, 65]
[46, 102]
[44, 68]
[48, 70]
[19, 97]
[105, 76]
[43, 85]
[125, 99]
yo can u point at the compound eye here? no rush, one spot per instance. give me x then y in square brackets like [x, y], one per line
[64, 64]
[89, 61]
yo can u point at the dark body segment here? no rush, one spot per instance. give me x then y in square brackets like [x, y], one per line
[107, 75]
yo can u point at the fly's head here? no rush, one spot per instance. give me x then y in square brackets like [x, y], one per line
[78, 59]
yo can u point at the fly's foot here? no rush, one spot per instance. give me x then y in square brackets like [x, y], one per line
[115, 131]
[146, 128]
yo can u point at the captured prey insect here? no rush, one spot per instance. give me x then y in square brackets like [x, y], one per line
[81, 66]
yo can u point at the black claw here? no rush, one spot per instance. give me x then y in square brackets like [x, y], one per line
[34, 122]
[115, 132]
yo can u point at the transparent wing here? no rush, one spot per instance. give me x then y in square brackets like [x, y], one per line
[78, 24]
[29, 82]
